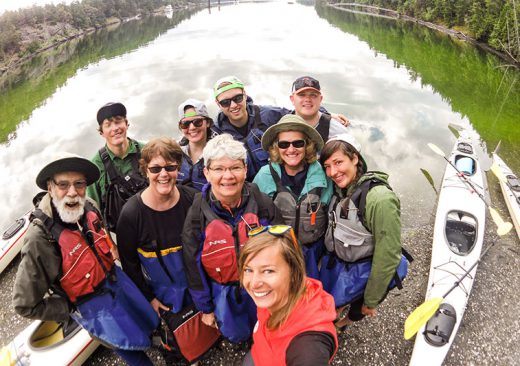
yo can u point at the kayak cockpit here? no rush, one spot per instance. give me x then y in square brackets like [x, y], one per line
[51, 334]
[461, 232]
[439, 328]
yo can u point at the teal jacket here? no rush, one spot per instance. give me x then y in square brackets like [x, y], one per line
[315, 178]
[383, 219]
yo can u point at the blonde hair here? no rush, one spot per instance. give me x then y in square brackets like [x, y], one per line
[310, 151]
[292, 255]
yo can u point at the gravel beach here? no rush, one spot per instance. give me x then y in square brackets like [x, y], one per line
[489, 333]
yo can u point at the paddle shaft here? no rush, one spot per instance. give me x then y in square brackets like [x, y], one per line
[457, 283]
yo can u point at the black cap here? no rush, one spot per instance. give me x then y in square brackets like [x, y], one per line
[305, 82]
[110, 110]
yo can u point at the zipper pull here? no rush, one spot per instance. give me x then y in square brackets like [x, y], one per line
[313, 218]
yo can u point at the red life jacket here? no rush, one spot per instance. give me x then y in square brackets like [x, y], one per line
[223, 241]
[86, 261]
[315, 311]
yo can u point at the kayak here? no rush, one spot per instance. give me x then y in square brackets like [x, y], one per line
[511, 191]
[11, 241]
[457, 243]
[45, 343]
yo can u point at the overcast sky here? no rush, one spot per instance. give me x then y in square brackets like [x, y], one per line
[17, 4]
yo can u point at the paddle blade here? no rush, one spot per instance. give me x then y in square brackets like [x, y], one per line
[420, 316]
[454, 130]
[436, 149]
[498, 173]
[429, 178]
[502, 227]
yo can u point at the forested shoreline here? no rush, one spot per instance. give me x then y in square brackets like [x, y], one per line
[26, 32]
[492, 22]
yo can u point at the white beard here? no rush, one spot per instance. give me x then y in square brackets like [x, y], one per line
[68, 214]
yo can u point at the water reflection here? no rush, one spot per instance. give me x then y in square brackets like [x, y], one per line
[394, 112]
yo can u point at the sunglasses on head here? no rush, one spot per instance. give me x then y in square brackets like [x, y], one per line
[296, 143]
[158, 169]
[227, 102]
[196, 122]
[275, 230]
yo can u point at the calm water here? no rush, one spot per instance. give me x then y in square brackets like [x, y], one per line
[401, 86]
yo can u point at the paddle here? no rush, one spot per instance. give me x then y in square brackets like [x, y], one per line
[429, 178]
[427, 309]
[502, 226]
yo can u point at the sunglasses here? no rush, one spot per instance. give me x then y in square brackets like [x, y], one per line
[158, 169]
[275, 230]
[64, 185]
[227, 102]
[196, 123]
[296, 143]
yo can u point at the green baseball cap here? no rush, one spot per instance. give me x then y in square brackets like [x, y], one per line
[226, 83]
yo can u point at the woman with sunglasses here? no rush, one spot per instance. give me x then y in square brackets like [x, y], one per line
[197, 128]
[150, 227]
[295, 180]
[295, 315]
[215, 231]
[363, 238]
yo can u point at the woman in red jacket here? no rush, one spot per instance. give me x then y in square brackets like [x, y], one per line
[295, 315]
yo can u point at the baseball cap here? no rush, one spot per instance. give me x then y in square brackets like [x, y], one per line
[304, 83]
[230, 82]
[110, 110]
[200, 109]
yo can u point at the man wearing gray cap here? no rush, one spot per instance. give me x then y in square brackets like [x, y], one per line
[67, 269]
[117, 162]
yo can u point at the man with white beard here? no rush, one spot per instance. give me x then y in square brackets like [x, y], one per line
[67, 269]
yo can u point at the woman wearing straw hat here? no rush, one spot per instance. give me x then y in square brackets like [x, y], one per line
[363, 239]
[296, 182]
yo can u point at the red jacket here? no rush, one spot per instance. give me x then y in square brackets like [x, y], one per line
[315, 311]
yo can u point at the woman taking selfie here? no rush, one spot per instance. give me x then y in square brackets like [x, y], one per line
[295, 315]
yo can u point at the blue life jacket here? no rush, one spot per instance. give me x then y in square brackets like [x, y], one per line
[190, 174]
[259, 119]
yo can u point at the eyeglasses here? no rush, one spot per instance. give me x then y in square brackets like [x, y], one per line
[220, 170]
[158, 169]
[227, 102]
[275, 230]
[65, 185]
[196, 123]
[296, 143]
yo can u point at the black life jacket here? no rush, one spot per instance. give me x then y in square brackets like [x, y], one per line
[119, 189]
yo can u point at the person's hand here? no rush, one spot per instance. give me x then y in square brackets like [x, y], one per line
[157, 305]
[114, 252]
[210, 320]
[340, 118]
[368, 312]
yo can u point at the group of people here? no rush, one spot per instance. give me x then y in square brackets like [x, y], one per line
[267, 220]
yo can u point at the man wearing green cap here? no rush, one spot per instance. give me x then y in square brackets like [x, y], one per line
[118, 163]
[246, 121]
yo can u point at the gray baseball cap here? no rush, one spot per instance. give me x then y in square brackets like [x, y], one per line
[200, 109]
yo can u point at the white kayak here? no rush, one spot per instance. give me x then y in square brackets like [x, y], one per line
[49, 343]
[11, 240]
[511, 190]
[457, 244]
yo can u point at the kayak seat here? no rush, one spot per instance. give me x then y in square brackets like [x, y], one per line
[437, 331]
[51, 334]
[461, 233]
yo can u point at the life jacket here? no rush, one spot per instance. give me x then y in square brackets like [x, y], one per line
[307, 214]
[119, 189]
[86, 258]
[223, 241]
[314, 312]
[324, 126]
[191, 174]
[346, 234]
[256, 156]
